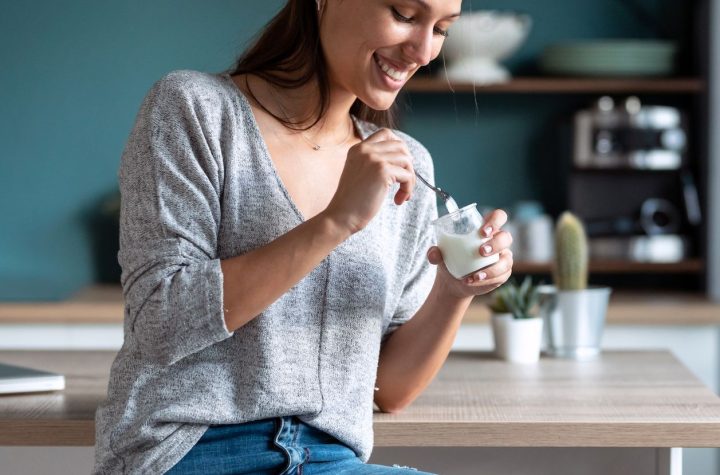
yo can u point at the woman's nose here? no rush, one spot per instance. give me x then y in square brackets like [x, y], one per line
[419, 47]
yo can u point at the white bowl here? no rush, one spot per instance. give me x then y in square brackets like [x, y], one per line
[479, 40]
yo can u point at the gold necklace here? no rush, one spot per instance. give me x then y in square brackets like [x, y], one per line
[314, 145]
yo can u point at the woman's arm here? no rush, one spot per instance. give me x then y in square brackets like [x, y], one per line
[415, 352]
[253, 281]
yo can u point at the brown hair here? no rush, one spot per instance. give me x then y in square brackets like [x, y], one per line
[287, 54]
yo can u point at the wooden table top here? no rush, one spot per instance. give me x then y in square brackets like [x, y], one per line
[624, 399]
[103, 304]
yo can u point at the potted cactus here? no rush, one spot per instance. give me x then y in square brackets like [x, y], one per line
[517, 328]
[574, 313]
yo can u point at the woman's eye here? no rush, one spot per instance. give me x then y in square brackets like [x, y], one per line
[404, 19]
[400, 17]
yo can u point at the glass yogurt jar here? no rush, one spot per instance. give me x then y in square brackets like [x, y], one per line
[459, 239]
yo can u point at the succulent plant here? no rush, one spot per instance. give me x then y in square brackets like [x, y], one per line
[520, 300]
[571, 253]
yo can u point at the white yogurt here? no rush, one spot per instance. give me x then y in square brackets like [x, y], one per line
[450, 205]
[461, 253]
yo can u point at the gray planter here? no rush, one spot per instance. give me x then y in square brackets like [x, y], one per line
[574, 321]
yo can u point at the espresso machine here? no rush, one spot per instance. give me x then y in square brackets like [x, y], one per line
[631, 182]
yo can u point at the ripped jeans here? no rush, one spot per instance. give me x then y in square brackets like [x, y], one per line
[277, 446]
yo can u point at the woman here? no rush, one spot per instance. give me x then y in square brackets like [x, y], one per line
[273, 251]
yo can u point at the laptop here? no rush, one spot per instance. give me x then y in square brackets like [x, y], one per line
[18, 379]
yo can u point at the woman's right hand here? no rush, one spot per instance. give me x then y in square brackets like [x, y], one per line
[371, 168]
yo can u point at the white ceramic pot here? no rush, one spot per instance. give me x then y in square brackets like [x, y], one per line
[479, 40]
[517, 340]
[499, 330]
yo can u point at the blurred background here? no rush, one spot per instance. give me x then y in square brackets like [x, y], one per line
[504, 130]
[608, 108]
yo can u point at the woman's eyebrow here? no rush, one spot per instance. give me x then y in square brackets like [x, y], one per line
[426, 6]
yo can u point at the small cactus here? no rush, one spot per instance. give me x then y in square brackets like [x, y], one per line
[571, 254]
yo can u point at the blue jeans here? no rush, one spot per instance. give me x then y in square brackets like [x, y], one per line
[277, 446]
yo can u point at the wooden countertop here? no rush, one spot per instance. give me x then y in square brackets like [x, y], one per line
[104, 304]
[624, 399]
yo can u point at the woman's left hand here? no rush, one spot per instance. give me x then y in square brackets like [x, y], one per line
[490, 278]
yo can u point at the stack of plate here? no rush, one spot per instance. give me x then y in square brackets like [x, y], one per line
[610, 58]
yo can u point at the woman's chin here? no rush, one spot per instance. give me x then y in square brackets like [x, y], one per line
[379, 101]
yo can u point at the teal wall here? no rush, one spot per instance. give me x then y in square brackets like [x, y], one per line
[72, 77]
[74, 73]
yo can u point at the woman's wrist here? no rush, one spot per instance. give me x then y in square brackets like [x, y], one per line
[333, 227]
[449, 295]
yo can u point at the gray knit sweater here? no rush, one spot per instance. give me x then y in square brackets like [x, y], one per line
[198, 186]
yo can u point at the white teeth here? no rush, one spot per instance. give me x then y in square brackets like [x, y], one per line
[396, 75]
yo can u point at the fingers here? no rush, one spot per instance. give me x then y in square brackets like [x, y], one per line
[396, 155]
[434, 255]
[490, 286]
[501, 240]
[497, 273]
[493, 222]
[381, 135]
[406, 179]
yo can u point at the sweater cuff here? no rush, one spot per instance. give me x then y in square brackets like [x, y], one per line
[216, 326]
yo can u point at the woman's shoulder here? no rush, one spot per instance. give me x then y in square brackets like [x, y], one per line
[198, 89]
[191, 81]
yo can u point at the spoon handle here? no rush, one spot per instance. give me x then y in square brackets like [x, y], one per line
[443, 194]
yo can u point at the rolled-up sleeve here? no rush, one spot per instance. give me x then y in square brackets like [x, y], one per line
[170, 185]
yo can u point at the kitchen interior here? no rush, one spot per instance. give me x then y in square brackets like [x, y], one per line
[605, 108]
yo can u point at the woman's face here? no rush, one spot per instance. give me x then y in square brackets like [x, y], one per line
[373, 47]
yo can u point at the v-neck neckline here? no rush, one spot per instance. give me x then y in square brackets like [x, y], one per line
[257, 133]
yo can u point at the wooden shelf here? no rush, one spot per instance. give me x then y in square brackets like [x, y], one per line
[103, 304]
[689, 266]
[561, 85]
[636, 308]
[95, 304]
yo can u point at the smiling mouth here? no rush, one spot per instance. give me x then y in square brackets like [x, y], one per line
[389, 71]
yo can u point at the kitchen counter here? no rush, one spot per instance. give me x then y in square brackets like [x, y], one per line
[104, 304]
[624, 399]
[628, 412]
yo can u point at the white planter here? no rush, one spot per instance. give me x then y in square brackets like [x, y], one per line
[499, 331]
[517, 340]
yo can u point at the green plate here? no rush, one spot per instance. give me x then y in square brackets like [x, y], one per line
[610, 58]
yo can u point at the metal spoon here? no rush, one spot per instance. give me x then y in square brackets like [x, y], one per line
[449, 202]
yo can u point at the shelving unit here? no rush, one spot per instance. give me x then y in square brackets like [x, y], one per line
[694, 87]
[562, 85]
[688, 266]
[690, 89]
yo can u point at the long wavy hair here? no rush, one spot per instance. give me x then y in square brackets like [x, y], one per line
[287, 54]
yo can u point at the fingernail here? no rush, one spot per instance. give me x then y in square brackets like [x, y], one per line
[469, 280]
[481, 276]
[487, 249]
[488, 231]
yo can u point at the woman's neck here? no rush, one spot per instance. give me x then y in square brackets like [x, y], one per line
[297, 104]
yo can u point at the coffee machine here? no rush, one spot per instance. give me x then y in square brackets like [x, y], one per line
[629, 136]
[631, 183]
